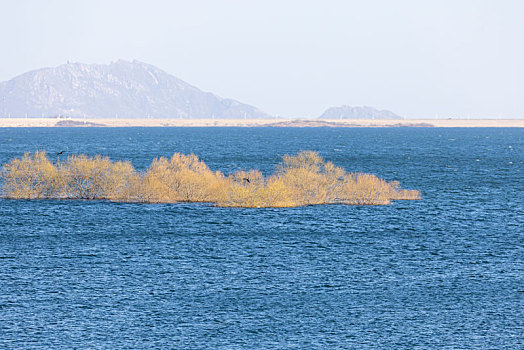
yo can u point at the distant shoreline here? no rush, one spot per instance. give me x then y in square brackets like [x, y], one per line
[268, 122]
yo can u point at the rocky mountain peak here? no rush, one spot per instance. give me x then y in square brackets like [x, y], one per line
[129, 89]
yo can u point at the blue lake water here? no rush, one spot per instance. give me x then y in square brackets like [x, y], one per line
[443, 272]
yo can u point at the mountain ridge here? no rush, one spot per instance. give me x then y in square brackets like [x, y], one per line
[127, 89]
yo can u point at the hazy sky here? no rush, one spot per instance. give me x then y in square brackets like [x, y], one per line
[293, 58]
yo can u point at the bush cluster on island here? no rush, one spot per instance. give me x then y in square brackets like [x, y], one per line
[303, 179]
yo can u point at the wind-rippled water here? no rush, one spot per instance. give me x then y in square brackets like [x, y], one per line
[444, 272]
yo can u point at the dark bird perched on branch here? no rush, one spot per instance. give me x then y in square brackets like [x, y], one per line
[246, 179]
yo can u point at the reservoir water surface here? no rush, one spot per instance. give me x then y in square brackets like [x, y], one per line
[443, 272]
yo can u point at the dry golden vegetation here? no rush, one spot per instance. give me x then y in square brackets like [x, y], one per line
[304, 179]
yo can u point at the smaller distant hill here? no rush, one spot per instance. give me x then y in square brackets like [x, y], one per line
[364, 112]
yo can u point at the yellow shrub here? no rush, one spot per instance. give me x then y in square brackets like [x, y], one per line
[309, 179]
[181, 178]
[95, 178]
[30, 177]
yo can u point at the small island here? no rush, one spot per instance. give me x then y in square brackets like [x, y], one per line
[299, 180]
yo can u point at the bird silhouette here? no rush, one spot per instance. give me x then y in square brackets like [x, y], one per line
[246, 179]
[59, 153]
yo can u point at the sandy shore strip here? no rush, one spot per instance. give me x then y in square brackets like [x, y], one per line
[145, 122]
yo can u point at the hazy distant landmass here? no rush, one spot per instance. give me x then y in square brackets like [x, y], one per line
[365, 112]
[124, 89]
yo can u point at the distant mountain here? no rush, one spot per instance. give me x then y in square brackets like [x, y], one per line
[124, 89]
[365, 112]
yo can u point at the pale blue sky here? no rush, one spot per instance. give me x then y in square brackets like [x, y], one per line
[293, 58]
